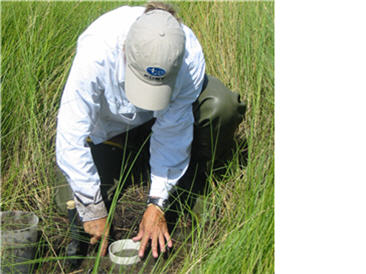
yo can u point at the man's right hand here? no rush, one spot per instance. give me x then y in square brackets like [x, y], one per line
[97, 229]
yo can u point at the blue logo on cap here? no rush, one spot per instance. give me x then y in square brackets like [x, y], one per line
[154, 71]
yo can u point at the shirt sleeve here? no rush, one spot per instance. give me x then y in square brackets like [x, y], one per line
[172, 132]
[80, 105]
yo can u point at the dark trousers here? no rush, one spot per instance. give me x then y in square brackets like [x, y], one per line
[125, 158]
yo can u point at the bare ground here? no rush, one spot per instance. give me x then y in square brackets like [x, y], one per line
[128, 214]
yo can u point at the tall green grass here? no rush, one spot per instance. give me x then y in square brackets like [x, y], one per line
[234, 233]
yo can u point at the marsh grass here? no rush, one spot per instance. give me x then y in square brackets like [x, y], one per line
[233, 232]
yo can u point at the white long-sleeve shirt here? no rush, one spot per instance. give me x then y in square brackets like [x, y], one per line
[94, 105]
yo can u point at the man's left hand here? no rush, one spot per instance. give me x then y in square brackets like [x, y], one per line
[153, 227]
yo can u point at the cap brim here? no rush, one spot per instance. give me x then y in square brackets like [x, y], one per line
[145, 96]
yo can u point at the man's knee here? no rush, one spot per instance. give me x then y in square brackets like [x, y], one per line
[218, 112]
[218, 105]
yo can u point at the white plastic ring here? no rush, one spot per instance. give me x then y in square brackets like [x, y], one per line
[122, 245]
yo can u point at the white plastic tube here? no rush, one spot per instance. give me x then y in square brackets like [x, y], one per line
[122, 245]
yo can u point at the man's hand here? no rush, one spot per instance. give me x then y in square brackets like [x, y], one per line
[153, 226]
[96, 229]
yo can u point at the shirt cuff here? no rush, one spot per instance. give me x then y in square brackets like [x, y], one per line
[158, 187]
[92, 211]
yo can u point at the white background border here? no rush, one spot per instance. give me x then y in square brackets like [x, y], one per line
[320, 146]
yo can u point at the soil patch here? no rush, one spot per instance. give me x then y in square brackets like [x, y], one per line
[125, 224]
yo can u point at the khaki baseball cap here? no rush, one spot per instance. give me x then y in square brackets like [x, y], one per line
[154, 47]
